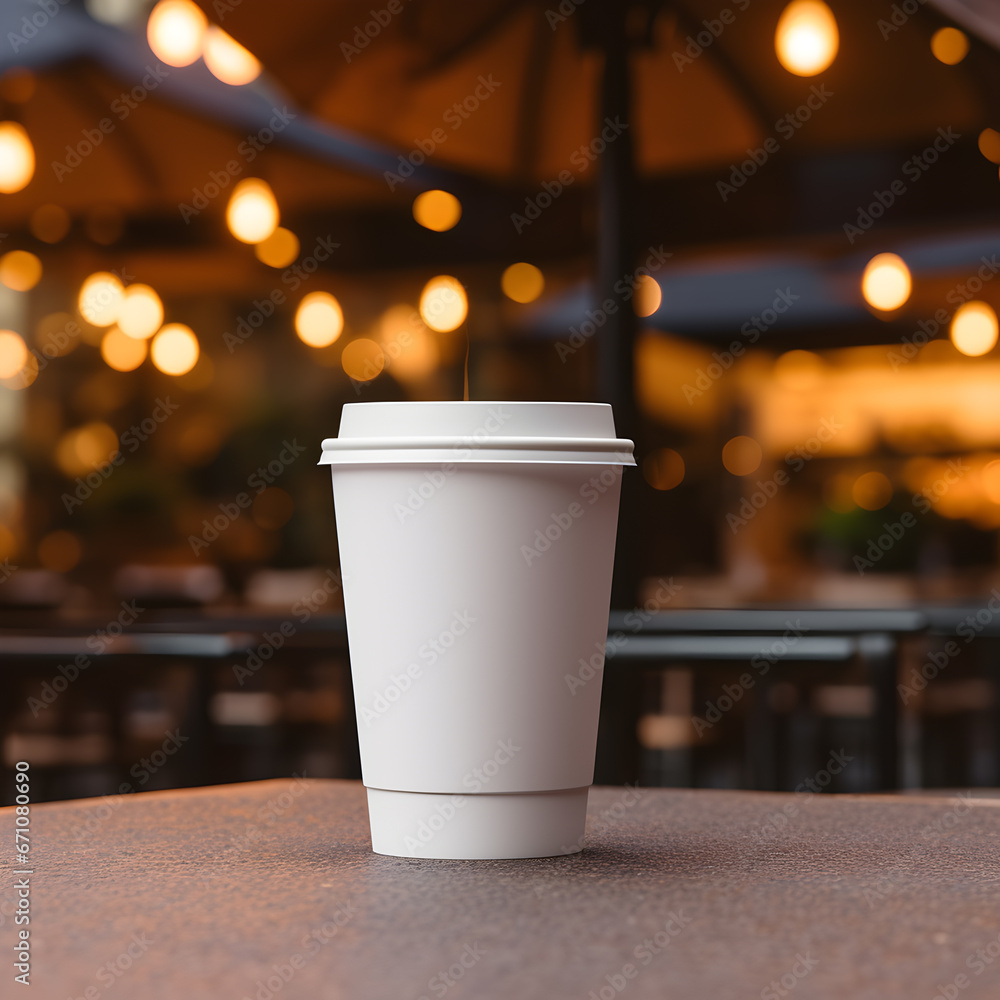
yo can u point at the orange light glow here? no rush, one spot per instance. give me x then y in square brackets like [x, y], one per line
[742, 455]
[20, 270]
[319, 320]
[443, 304]
[806, 39]
[175, 31]
[175, 349]
[437, 210]
[229, 61]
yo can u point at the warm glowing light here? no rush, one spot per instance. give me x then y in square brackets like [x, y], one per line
[437, 210]
[279, 249]
[742, 455]
[410, 347]
[648, 296]
[122, 352]
[100, 298]
[252, 212]
[57, 334]
[806, 38]
[949, 45]
[362, 359]
[17, 157]
[175, 349]
[886, 283]
[974, 328]
[20, 270]
[229, 61]
[49, 223]
[522, 282]
[319, 320]
[989, 144]
[663, 469]
[799, 370]
[443, 305]
[59, 551]
[141, 312]
[175, 31]
[991, 480]
[872, 490]
[13, 353]
[86, 448]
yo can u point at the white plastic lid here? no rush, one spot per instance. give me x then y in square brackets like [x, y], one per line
[440, 432]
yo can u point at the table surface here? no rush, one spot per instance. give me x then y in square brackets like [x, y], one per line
[270, 889]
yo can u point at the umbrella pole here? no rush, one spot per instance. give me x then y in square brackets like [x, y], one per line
[619, 760]
[615, 262]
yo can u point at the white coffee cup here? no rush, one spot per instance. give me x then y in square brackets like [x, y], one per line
[476, 545]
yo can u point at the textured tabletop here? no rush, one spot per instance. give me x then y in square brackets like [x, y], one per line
[271, 890]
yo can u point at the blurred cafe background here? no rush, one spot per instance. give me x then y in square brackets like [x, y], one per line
[766, 232]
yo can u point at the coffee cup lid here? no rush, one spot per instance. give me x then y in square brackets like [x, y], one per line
[439, 432]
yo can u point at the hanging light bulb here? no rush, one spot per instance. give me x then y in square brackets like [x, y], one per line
[252, 213]
[229, 61]
[17, 157]
[175, 31]
[806, 38]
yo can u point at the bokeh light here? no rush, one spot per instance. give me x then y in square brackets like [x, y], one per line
[17, 157]
[437, 210]
[663, 469]
[175, 349]
[122, 352]
[49, 223]
[141, 312]
[742, 455]
[252, 212]
[806, 39]
[279, 249]
[60, 551]
[410, 348]
[989, 144]
[443, 304]
[20, 270]
[100, 298]
[319, 320]
[229, 61]
[362, 359]
[56, 334]
[974, 328]
[84, 449]
[648, 296]
[949, 45]
[13, 353]
[522, 282]
[886, 283]
[872, 490]
[175, 31]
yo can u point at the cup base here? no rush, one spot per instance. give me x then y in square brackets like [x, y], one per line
[468, 827]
